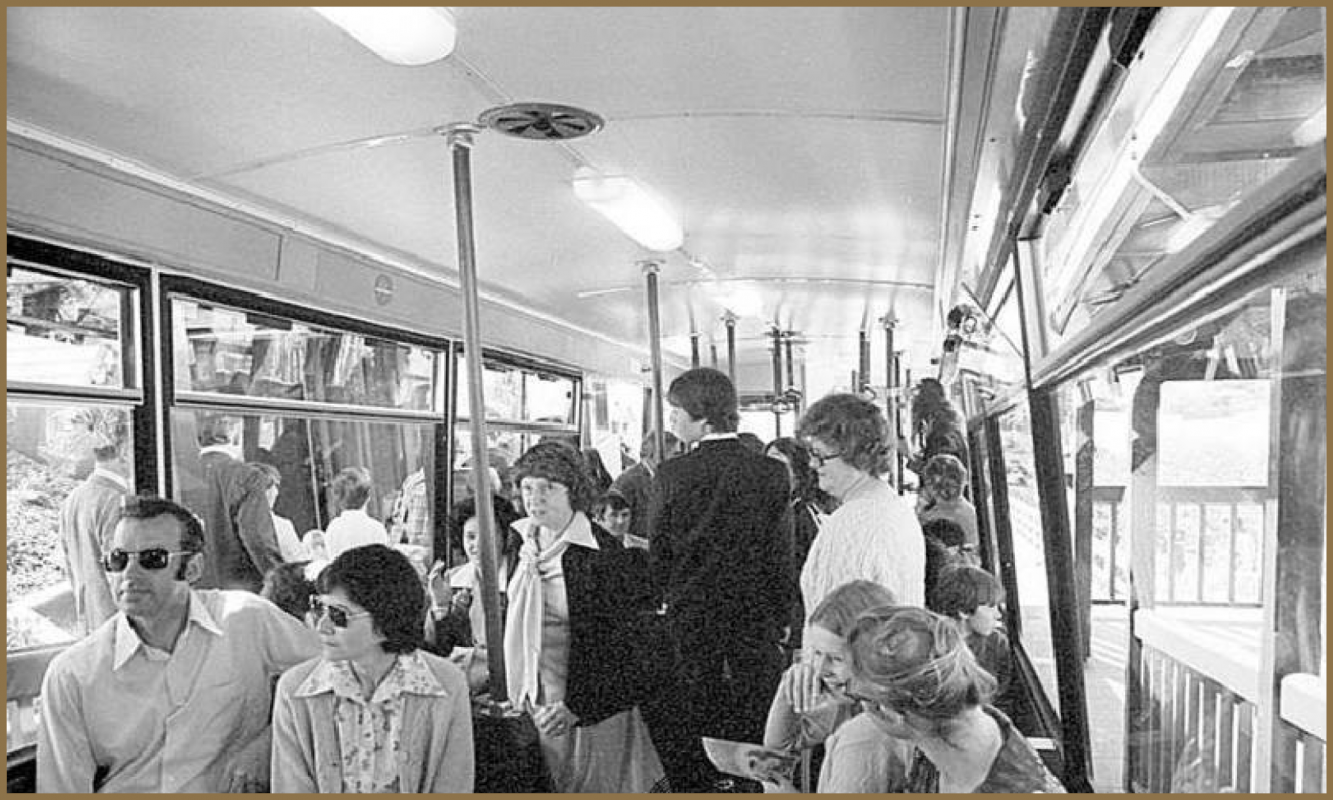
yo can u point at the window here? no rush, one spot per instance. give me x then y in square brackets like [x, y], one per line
[1221, 100]
[224, 351]
[72, 387]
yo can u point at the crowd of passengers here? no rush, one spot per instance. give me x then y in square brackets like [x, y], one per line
[781, 595]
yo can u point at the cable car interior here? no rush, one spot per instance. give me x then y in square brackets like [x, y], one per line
[1102, 229]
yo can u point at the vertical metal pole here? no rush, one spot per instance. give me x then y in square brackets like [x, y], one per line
[694, 350]
[650, 270]
[791, 372]
[863, 362]
[730, 319]
[712, 352]
[459, 138]
[777, 380]
[891, 399]
[898, 431]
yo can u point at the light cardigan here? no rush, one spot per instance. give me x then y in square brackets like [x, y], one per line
[436, 752]
[874, 536]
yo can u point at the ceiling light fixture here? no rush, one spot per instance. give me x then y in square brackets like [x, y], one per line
[634, 210]
[407, 36]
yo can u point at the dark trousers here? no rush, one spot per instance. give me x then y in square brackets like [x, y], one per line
[721, 690]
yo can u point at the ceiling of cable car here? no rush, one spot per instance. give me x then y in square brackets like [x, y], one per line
[803, 149]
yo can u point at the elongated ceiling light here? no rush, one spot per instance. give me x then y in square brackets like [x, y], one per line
[408, 36]
[637, 213]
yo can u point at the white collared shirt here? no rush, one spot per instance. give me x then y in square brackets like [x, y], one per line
[147, 721]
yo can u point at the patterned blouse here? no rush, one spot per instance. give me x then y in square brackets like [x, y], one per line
[370, 732]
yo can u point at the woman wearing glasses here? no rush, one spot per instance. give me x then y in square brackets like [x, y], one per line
[374, 713]
[873, 535]
[914, 673]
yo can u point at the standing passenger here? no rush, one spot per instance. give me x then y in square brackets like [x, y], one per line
[353, 527]
[240, 545]
[289, 544]
[172, 693]
[636, 483]
[374, 713]
[88, 519]
[721, 562]
[571, 644]
[873, 535]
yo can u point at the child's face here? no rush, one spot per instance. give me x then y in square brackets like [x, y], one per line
[616, 521]
[472, 540]
[827, 652]
[984, 620]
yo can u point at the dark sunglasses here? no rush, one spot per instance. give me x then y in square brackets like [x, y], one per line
[154, 558]
[340, 617]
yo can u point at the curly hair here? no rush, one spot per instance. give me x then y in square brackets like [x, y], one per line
[855, 426]
[919, 662]
[560, 464]
[945, 475]
[382, 581]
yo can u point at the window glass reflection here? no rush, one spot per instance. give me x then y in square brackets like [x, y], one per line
[67, 331]
[230, 352]
[54, 453]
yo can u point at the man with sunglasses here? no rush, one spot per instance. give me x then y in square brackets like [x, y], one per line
[172, 694]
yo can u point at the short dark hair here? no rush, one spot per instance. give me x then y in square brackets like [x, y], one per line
[560, 464]
[213, 429]
[382, 581]
[147, 506]
[855, 426]
[287, 587]
[352, 487]
[706, 394]
[962, 589]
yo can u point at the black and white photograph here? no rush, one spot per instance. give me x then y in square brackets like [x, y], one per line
[666, 399]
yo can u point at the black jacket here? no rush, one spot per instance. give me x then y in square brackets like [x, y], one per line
[720, 546]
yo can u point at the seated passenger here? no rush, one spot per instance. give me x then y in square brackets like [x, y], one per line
[374, 713]
[613, 512]
[456, 626]
[172, 693]
[942, 481]
[916, 674]
[353, 527]
[811, 706]
[972, 597]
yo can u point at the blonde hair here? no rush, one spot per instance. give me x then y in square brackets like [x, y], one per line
[838, 611]
[920, 663]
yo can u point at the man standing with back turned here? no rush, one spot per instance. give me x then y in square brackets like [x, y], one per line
[721, 566]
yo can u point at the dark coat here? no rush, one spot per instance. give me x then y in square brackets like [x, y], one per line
[608, 593]
[720, 547]
[240, 546]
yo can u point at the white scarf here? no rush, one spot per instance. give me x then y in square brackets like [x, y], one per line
[523, 621]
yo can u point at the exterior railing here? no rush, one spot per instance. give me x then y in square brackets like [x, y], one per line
[1192, 729]
[1211, 556]
[1298, 753]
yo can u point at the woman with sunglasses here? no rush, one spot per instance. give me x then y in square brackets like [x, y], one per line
[374, 713]
[916, 675]
[572, 655]
[873, 535]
